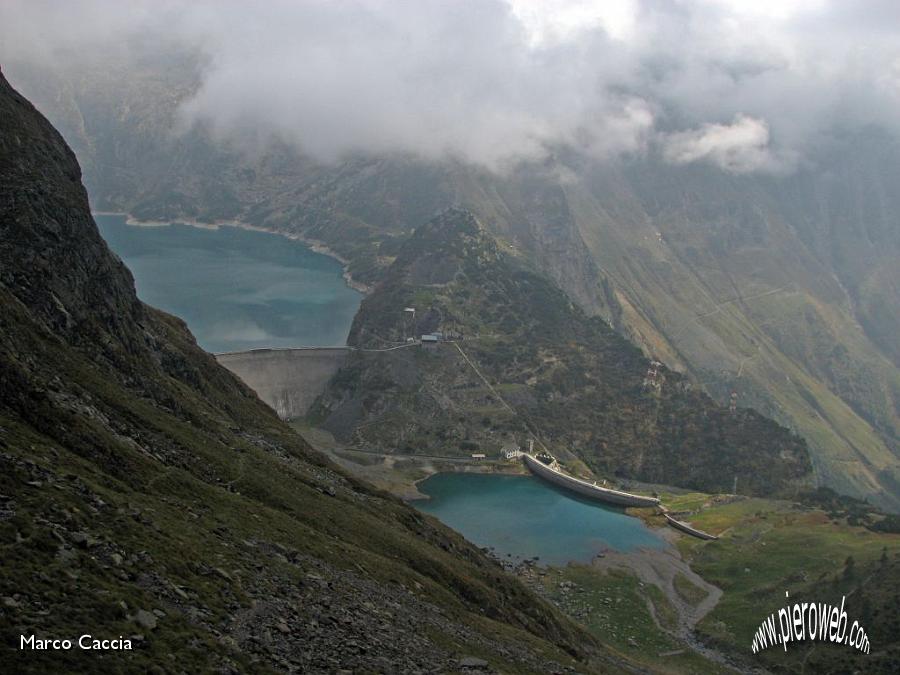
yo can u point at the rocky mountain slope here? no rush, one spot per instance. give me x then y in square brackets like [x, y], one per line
[146, 493]
[783, 290]
[527, 362]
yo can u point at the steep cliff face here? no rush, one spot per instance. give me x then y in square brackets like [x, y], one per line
[759, 286]
[146, 493]
[529, 362]
[782, 290]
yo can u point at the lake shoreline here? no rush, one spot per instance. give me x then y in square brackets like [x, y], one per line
[485, 469]
[397, 474]
[237, 288]
[522, 517]
[315, 245]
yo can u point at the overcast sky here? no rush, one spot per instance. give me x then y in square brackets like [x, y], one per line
[746, 85]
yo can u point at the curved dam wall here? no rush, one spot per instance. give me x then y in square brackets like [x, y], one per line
[288, 380]
[586, 489]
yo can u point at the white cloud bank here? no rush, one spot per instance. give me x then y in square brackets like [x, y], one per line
[747, 86]
[739, 147]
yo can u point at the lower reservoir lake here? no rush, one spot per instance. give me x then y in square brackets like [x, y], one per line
[236, 289]
[522, 517]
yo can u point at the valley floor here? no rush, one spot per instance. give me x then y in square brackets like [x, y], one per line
[691, 607]
[656, 614]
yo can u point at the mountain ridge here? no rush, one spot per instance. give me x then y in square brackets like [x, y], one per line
[781, 290]
[567, 379]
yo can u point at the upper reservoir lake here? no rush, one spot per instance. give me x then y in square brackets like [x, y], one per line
[523, 517]
[236, 289]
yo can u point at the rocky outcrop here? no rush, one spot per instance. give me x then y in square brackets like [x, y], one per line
[565, 378]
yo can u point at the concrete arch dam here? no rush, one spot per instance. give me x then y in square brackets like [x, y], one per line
[288, 380]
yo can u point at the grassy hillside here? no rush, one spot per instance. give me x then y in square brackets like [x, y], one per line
[544, 368]
[754, 286]
[146, 493]
[818, 550]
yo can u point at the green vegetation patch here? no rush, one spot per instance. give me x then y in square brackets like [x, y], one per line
[771, 547]
[632, 618]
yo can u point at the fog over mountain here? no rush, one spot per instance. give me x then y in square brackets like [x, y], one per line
[744, 86]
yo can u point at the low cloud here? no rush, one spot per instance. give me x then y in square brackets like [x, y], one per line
[740, 147]
[435, 79]
[744, 86]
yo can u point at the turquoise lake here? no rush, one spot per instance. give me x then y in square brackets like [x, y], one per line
[522, 517]
[236, 289]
